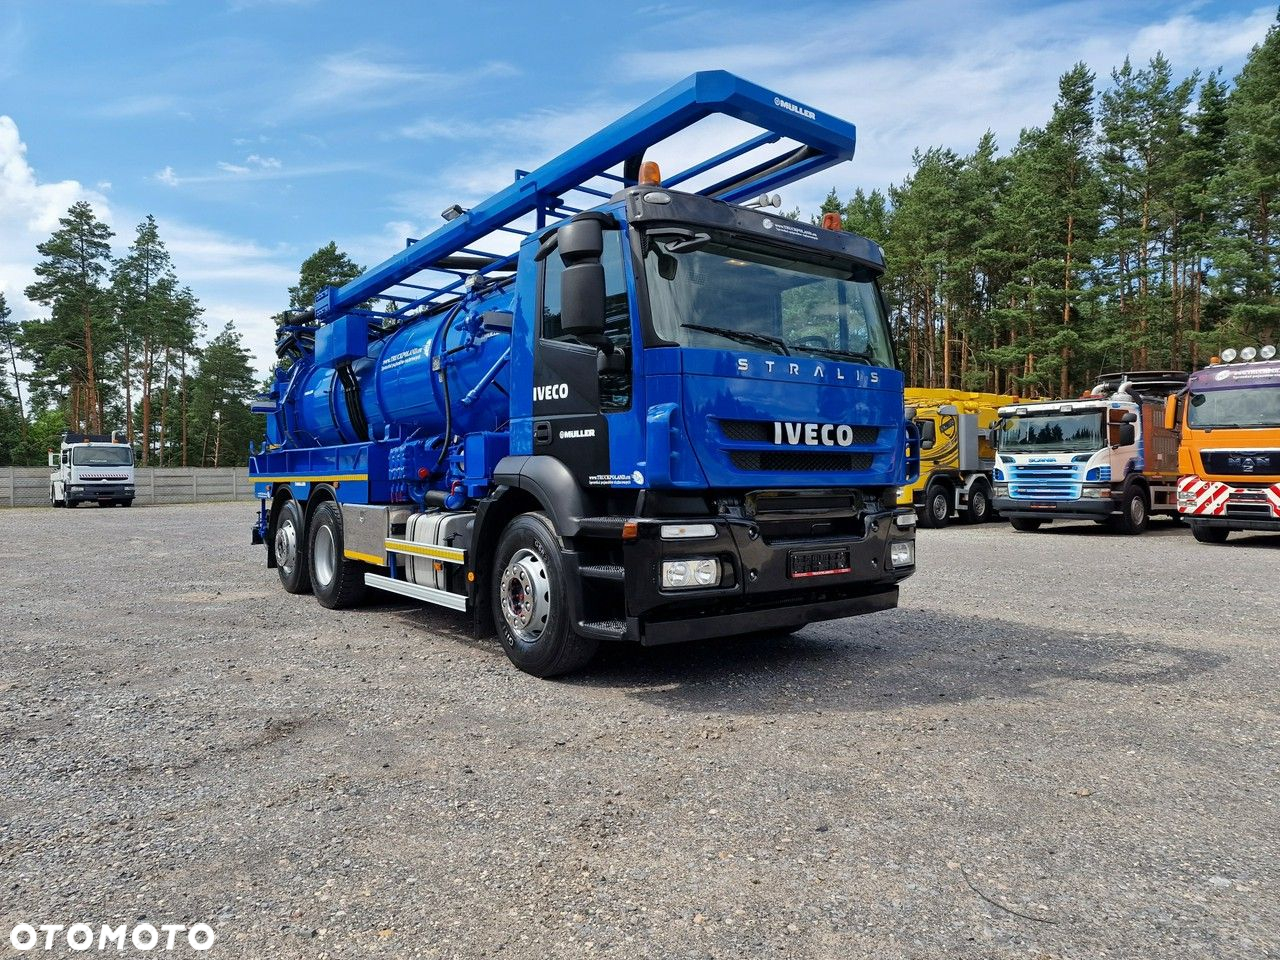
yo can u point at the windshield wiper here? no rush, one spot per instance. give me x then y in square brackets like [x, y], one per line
[835, 353]
[742, 336]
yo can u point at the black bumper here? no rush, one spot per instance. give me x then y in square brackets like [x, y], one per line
[101, 491]
[1065, 510]
[1232, 523]
[756, 591]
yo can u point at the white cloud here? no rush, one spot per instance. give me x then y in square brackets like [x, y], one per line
[348, 80]
[935, 74]
[167, 177]
[29, 212]
[142, 105]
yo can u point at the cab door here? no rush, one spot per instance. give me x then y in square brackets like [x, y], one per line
[581, 384]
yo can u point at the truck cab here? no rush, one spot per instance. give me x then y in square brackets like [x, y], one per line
[1105, 457]
[91, 468]
[1228, 420]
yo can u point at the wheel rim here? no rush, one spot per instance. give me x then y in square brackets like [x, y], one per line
[526, 595]
[1137, 511]
[286, 546]
[940, 506]
[325, 560]
[978, 503]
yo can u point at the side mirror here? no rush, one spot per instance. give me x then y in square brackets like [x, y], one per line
[1129, 417]
[1125, 434]
[53, 459]
[926, 444]
[1171, 412]
[581, 243]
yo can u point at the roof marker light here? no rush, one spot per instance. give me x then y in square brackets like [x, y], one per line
[832, 221]
[650, 175]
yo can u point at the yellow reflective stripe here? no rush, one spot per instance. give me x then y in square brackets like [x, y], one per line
[448, 554]
[366, 557]
[312, 478]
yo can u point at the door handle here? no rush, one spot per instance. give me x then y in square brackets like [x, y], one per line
[542, 432]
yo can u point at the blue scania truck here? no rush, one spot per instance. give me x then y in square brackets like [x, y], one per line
[666, 416]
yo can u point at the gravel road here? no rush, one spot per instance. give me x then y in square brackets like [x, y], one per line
[1062, 745]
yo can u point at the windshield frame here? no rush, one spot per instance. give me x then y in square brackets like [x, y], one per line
[1099, 414]
[766, 246]
[77, 450]
[1235, 425]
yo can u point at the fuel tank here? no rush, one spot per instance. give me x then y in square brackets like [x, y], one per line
[399, 378]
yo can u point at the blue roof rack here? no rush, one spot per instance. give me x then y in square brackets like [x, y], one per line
[823, 140]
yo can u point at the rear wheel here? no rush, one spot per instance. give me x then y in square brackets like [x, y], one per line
[1135, 515]
[979, 509]
[337, 582]
[291, 555]
[1025, 524]
[1207, 534]
[530, 601]
[936, 511]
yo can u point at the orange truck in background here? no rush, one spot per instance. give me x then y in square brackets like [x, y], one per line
[1229, 452]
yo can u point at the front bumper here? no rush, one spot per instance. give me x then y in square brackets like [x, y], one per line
[756, 591]
[1051, 510]
[101, 491]
[1233, 523]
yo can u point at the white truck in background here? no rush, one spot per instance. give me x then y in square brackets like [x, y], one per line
[91, 467]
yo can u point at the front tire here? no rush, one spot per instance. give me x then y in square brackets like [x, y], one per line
[53, 499]
[291, 554]
[337, 582]
[529, 593]
[936, 512]
[1135, 515]
[1207, 534]
[1025, 524]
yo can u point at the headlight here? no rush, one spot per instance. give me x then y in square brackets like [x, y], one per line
[902, 554]
[1096, 493]
[1001, 489]
[690, 574]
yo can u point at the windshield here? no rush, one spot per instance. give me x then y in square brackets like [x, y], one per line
[101, 456]
[1058, 433]
[1235, 407]
[716, 292]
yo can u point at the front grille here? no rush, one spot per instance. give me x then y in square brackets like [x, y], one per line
[1045, 490]
[761, 431]
[1241, 463]
[799, 461]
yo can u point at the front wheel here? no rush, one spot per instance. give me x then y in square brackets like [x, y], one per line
[291, 554]
[530, 601]
[937, 506]
[1207, 534]
[53, 499]
[1135, 516]
[1025, 524]
[337, 582]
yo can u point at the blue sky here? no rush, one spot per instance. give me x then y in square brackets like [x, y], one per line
[258, 130]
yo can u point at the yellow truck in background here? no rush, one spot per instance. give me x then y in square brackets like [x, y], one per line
[956, 456]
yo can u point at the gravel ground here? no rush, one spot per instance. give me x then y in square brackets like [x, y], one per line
[1063, 744]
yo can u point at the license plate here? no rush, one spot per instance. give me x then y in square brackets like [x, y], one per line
[817, 563]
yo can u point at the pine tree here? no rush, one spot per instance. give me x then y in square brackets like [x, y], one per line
[10, 331]
[222, 425]
[1248, 255]
[79, 331]
[327, 267]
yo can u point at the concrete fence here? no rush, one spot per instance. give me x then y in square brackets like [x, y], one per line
[29, 486]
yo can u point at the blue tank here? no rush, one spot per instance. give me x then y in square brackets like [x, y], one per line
[401, 393]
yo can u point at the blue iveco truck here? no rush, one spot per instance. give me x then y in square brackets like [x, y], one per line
[666, 416]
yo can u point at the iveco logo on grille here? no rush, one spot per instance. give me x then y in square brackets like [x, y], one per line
[812, 434]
